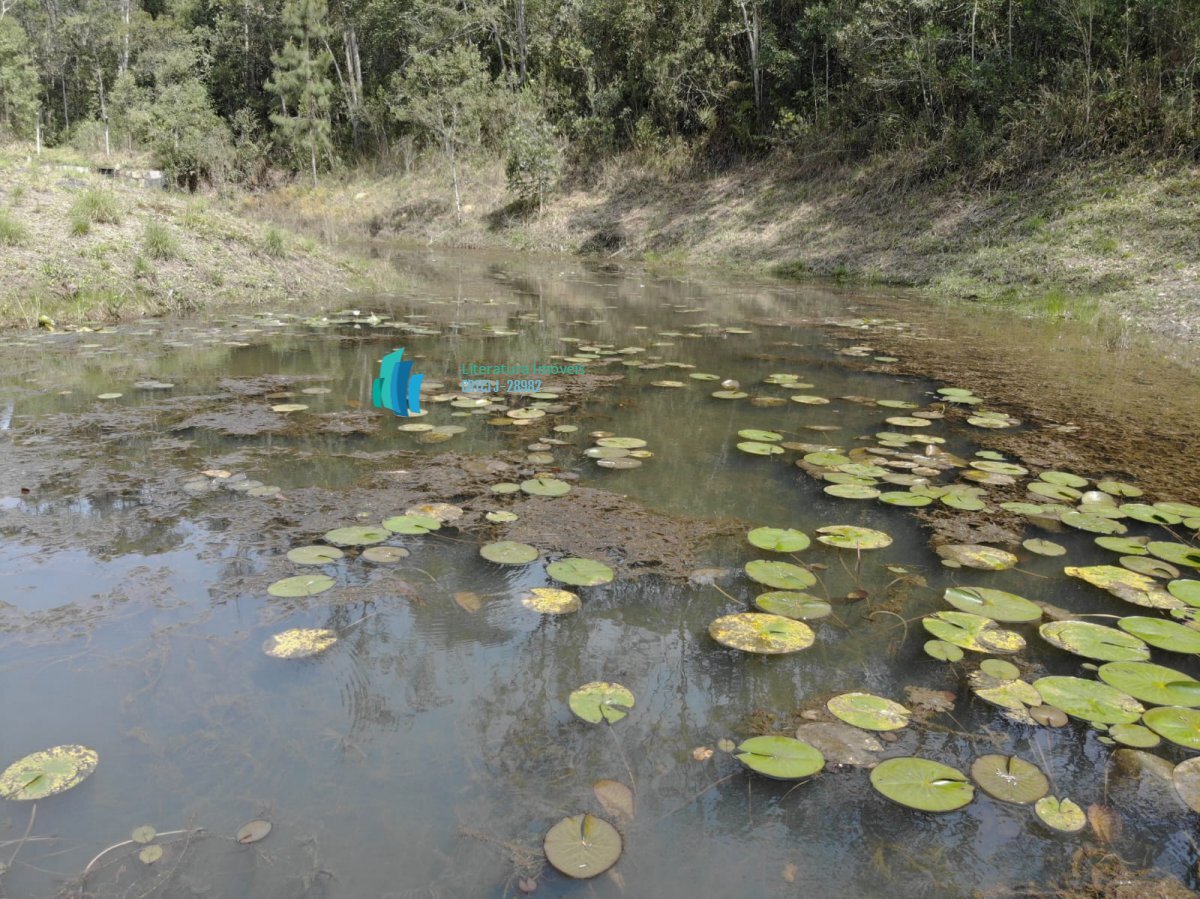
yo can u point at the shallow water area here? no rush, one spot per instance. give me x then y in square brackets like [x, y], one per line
[429, 749]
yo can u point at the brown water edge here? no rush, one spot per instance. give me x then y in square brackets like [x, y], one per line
[1097, 406]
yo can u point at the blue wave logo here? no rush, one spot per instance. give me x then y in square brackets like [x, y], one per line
[397, 388]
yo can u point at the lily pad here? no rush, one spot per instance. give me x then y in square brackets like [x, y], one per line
[1125, 584]
[253, 831]
[1089, 700]
[1094, 641]
[1166, 635]
[545, 487]
[904, 498]
[1128, 546]
[601, 701]
[299, 643]
[412, 524]
[384, 555]
[1000, 669]
[759, 436]
[1187, 591]
[1156, 568]
[1061, 814]
[840, 743]
[800, 606]
[143, 834]
[46, 773]
[582, 846]
[1179, 725]
[781, 758]
[150, 854]
[943, 651]
[1044, 547]
[301, 585]
[358, 536]
[922, 784]
[1010, 779]
[976, 555]
[580, 572]
[780, 575]
[314, 555]
[506, 552]
[868, 711]
[995, 604]
[551, 601]
[779, 540]
[623, 442]
[847, 536]
[761, 633]
[973, 632]
[852, 491]
[1093, 524]
[1175, 553]
[1152, 683]
[1134, 735]
[760, 449]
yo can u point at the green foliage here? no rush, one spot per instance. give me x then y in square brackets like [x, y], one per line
[158, 242]
[96, 206]
[81, 225]
[533, 160]
[12, 232]
[142, 268]
[301, 81]
[273, 244]
[18, 82]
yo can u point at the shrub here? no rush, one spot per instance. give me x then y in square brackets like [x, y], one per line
[273, 244]
[98, 206]
[12, 232]
[80, 224]
[158, 242]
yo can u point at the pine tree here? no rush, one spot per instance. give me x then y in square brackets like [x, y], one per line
[18, 82]
[301, 81]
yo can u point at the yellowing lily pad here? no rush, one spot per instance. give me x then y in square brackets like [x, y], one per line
[46, 773]
[976, 555]
[973, 632]
[781, 758]
[601, 701]
[922, 784]
[761, 633]
[582, 846]
[1127, 585]
[1061, 814]
[846, 536]
[551, 601]
[299, 643]
[1094, 641]
[868, 711]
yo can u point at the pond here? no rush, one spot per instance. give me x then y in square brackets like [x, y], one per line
[155, 477]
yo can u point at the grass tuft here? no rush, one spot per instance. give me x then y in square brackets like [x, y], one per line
[273, 244]
[158, 242]
[12, 232]
[96, 207]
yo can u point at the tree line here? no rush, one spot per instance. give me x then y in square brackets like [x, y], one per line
[231, 89]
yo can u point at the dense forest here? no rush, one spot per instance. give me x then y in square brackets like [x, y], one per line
[233, 90]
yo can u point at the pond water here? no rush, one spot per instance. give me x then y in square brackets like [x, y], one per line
[428, 751]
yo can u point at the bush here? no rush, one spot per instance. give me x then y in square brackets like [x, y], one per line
[96, 206]
[80, 225]
[12, 232]
[533, 161]
[273, 244]
[158, 242]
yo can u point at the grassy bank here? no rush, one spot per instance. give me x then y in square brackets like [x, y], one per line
[1071, 241]
[80, 248]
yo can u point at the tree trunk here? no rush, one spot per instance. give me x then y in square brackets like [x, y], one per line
[312, 149]
[522, 41]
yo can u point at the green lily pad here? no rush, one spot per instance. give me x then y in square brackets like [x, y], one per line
[1094, 641]
[826, 459]
[299, 643]
[730, 394]
[1061, 814]
[1186, 778]
[780, 575]
[761, 633]
[580, 572]
[779, 540]
[1044, 547]
[1089, 700]
[1186, 591]
[1126, 546]
[506, 552]
[384, 555]
[922, 784]
[601, 701]
[358, 536]
[781, 758]
[1127, 585]
[621, 442]
[1155, 568]
[582, 846]
[1150, 514]
[760, 449]
[46, 773]
[1134, 735]
[1166, 635]
[846, 536]
[301, 585]
[799, 606]
[1093, 524]
[904, 498]
[852, 491]
[545, 487]
[1179, 725]
[995, 604]
[1175, 553]
[1054, 491]
[314, 555]
[963, 503]
[942, 651]
[1000, 669]
[973, 632]
[868, 711]
[998, 467]
[412, 524]
[976, 555]
[1152, 683]
[506, 487]
[1010, 779]
[759, 436]
[1063, 478]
